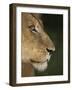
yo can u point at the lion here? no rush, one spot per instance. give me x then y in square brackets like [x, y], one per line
[36, 45]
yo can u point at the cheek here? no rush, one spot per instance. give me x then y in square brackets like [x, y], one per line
[26, 54]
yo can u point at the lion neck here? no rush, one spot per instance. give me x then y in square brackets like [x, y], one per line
[27, 70]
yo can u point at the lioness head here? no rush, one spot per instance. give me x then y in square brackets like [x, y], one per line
[36, 45]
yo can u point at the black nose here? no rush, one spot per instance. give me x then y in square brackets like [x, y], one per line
[49, 50]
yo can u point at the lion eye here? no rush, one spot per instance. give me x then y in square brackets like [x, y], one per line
[32, 27]
[34, 30]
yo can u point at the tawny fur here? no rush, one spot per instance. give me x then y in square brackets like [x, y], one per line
[35, 43]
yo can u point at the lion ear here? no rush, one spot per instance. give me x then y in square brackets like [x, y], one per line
[36, 15]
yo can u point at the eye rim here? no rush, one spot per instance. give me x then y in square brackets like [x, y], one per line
[32, 28]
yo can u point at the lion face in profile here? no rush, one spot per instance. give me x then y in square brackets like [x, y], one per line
[36, 45]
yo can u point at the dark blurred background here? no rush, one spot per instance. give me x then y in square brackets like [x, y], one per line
[53, 25]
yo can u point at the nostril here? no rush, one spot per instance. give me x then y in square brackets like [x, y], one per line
[49, 50]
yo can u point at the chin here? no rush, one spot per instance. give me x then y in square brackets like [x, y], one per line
[40, 66]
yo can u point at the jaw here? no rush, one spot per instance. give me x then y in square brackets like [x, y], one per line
[41, 66]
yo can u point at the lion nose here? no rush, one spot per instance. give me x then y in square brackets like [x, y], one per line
[50, 50]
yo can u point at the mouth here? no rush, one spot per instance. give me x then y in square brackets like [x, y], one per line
[38, 61]
[45, 60]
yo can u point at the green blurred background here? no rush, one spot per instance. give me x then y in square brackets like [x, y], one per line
[54, 27]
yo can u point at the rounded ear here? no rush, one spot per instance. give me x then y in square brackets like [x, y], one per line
[36, 15]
